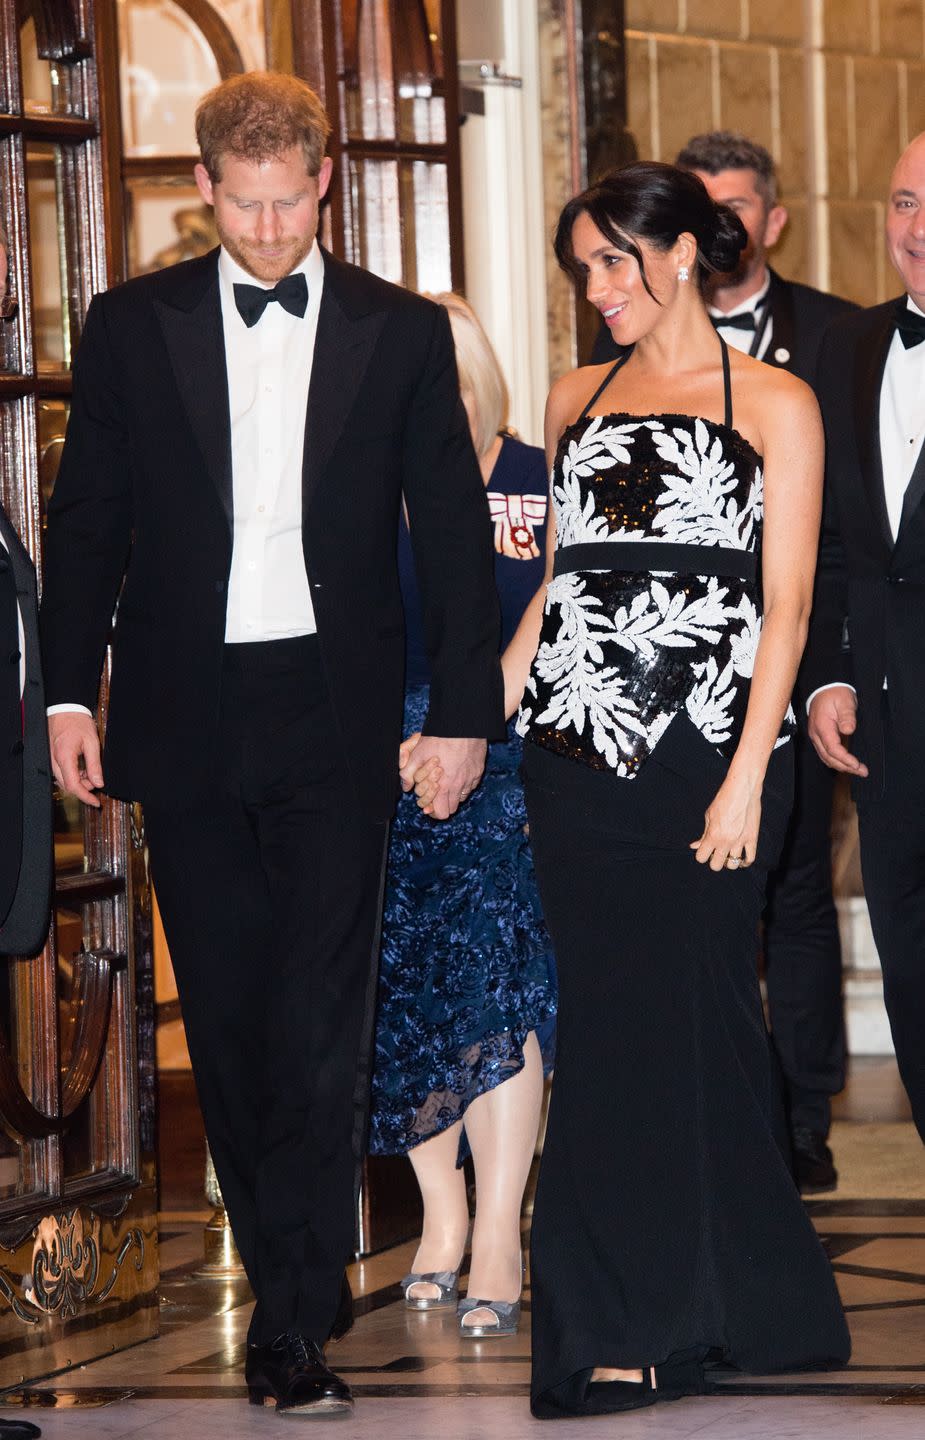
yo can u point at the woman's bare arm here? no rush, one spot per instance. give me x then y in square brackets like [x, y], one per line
[793, 466]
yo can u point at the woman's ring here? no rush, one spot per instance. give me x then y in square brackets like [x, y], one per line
[733, 862]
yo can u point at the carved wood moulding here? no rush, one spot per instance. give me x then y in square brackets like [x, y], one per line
[91, 1003]
[62, 29]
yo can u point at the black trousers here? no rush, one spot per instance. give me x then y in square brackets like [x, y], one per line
[892, 831]
[803, 954]
[270, 891]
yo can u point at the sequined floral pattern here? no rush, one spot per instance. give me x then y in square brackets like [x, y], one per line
[622, 652]
[466, 969]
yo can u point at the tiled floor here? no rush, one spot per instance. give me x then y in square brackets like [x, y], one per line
[414, 1379]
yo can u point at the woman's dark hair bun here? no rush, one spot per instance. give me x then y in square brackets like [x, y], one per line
[656, 203]
[721, 249]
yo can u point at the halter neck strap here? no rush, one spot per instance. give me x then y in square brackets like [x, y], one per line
[622, 359]
[617, 365]
[727, 385]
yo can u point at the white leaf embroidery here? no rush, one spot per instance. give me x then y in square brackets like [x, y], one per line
[709, 703]
[658, 617]
[744, 642]
[697, 506]
[585, 693]
[597, 448]
[706, 498]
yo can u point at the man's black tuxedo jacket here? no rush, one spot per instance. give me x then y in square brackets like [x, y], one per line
[868, 623]
[25, 771]
[145, 489]
[800, 316]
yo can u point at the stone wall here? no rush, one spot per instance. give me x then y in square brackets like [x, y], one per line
[834, 88]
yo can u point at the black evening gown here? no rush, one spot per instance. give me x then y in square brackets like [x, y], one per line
[667, 1228]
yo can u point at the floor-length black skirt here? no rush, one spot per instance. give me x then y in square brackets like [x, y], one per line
[666, 1223]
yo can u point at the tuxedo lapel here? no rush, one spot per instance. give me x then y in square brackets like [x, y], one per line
[191, 322]
[10, 537]
[870, 360]
[346, 338]
[783, 326]
[915, 491]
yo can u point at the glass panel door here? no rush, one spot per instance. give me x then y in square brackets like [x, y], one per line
[396, 128]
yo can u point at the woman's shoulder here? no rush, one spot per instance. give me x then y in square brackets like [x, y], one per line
[520, 468]
[776, 402]
[769, 383]
[569, 395]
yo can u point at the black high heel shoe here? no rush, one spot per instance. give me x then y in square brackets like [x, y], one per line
[607, 1397]
[682, 1374]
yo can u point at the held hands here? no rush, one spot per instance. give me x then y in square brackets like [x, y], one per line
[833, 714]
[75, 755]
[730, 836]
[442, 771]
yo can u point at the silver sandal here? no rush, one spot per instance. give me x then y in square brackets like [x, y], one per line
[506, 1311]
[446, 1281]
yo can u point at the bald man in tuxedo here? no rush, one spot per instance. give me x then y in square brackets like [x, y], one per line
[865, 660]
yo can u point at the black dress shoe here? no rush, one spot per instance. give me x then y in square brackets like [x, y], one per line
[291, 1371]
[813, 1168]
[343, 1320]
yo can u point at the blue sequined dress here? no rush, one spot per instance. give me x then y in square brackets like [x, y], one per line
[465, 970]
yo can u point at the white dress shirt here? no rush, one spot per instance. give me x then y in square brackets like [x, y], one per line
[742, 339]
[22, 637]
[902, 430]
[269, 370]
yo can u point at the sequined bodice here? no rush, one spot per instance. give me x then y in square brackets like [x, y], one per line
[655, 604]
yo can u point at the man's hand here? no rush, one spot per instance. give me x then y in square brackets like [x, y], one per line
[75, 755]
[833, 715]
[461, 764]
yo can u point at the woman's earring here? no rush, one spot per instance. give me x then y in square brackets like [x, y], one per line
[683, 273]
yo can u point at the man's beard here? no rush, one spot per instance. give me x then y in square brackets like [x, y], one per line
[271, 267]
[748, 268]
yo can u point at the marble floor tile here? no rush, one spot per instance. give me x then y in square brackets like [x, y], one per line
[496, 1419]
[415, 1379]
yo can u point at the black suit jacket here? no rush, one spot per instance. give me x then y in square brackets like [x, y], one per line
[145, 490]
[25, 772]
[800, 316]
[868, 624]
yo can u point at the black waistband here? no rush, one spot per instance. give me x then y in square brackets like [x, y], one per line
[634, 556]
[253, 655]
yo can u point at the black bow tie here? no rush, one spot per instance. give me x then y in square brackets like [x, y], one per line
[252, 300]
[745, 321]
[911, 327]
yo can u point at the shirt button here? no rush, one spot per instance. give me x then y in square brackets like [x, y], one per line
[261, 509]
[251, 565]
